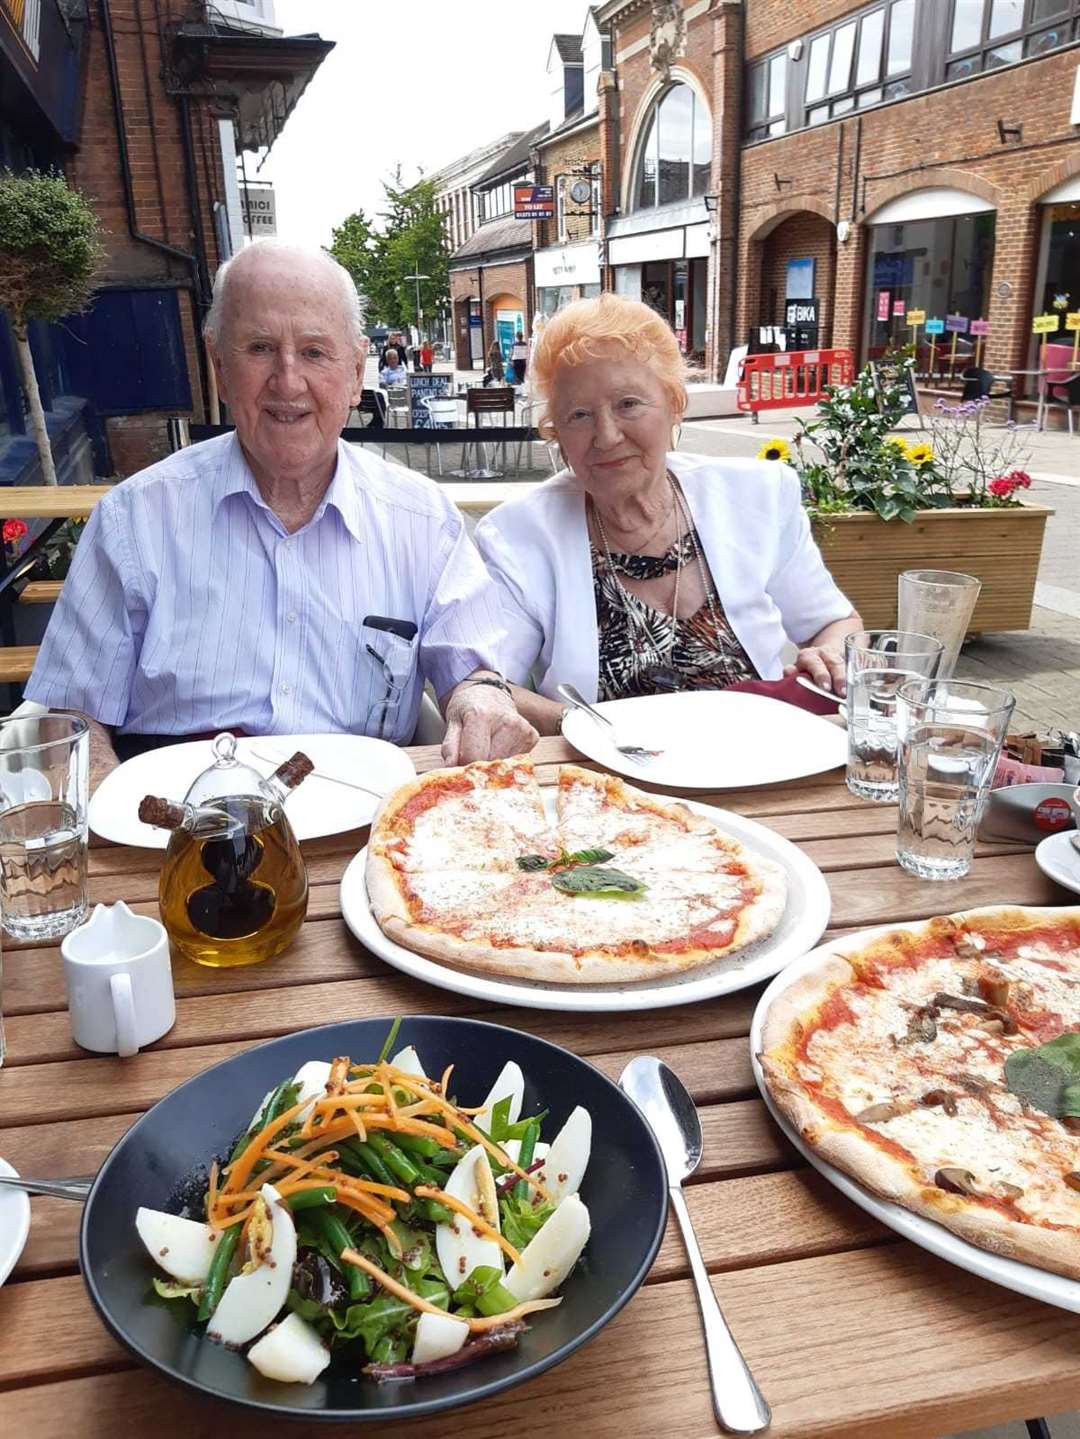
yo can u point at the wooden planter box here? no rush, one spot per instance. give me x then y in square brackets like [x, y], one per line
[1001, 547]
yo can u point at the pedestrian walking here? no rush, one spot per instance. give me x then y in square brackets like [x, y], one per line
[494, 373]
[519, 356]
[427, 356]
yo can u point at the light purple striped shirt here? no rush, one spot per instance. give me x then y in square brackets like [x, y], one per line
[190, 608]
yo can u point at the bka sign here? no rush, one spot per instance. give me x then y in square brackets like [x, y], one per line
[801, 312]
[534, 202]
[260, 210]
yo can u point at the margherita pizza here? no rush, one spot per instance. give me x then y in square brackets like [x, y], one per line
[464, 865]
[940, 1066]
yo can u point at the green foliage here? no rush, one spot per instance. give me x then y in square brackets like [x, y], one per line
[410, 240]
[857, 465]
[50, 247]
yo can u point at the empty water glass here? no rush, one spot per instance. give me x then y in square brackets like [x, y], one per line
[950, 739]
[44, 781]
[878, 663]
[938, 603]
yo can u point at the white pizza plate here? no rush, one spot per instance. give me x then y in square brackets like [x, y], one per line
[1059, 858]
[1009, 1273]
[14, 1222]
[711, 739]
[319, 807]
[805, 916]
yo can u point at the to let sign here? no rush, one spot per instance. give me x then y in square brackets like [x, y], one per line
[534, 202]
[1045, 325]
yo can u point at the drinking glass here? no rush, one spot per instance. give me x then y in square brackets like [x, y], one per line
[950, 738]
[938, 603]
[44, 780]
[878, 663]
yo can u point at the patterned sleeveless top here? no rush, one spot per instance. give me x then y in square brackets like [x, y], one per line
[705, 655]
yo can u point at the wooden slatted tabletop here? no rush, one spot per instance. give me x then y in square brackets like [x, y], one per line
[850, 1331]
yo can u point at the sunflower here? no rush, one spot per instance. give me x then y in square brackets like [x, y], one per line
[920, 454]
[894, 442]
[775, 450]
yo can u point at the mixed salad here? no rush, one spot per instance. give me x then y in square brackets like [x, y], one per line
[380, 1223]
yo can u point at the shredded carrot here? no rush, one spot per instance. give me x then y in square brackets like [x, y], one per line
[338, 1076]
[477, 1324]
[478, 1222]
[361, 1128]
[300, 1168]
[212, 1193]
[444, 1082]
[241, 1169]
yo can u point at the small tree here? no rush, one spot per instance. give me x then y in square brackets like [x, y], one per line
[50, 252]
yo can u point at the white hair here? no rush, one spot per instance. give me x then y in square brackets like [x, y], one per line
[350, 297]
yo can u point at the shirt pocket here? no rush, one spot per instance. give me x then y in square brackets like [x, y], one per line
[392, 663]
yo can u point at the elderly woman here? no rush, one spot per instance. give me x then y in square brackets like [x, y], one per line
[639, 571]
[393, 372]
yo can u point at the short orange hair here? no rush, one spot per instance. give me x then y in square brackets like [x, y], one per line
[599, 329]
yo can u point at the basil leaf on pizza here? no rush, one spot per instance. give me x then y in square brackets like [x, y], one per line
[600, 883]
[1048, 1077]
[532, 862]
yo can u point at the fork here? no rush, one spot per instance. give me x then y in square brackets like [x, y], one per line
[321, 774]
[77, 1188]
[636, 752]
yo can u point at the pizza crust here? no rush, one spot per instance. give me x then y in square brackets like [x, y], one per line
[849, 1149]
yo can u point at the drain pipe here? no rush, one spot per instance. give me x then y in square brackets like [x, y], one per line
[152, 241]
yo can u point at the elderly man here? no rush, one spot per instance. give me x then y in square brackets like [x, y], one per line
[278, 580]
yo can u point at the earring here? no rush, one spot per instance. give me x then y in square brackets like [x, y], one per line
[676, 436]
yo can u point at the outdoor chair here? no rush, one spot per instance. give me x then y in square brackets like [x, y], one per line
[979, 384]
[397, 405]
[478, 403]
[528, 408]
[443, 413]
[1061, 395]
[373, 404]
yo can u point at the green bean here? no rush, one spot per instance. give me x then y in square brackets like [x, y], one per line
[422, 1145]
[373, 1163]
[525, 1157]
[396, 1160]
[311, 1198]
[350, 1160]
[437, 1213]
[219, 1271]
[276, 1104]
[339, 1238]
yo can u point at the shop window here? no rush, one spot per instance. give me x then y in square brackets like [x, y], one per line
[862, 62]
[942, 266]
[986, 34]
[768, 98]
[676, 154]
[1062, 262]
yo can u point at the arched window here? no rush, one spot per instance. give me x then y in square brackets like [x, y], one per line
[676, 154]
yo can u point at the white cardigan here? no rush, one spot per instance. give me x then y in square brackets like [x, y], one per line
[768, 572]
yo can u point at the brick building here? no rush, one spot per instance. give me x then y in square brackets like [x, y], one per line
[146, 108]
[491, 274]
[879, 156]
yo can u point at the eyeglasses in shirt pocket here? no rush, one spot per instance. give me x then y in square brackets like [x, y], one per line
[394, 659]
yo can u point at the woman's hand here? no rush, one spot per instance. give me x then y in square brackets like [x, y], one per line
[824, 665]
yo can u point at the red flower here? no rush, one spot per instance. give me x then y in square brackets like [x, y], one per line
[13, 531]
[1020, 479]
[1002, 488]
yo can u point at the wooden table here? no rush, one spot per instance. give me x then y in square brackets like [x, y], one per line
[850, 1331]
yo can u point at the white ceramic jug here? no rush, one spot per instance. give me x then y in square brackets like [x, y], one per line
[119, 981]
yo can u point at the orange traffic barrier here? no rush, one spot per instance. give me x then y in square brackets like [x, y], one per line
[791, 378]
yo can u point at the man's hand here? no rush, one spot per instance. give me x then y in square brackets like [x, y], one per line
[824, 664]
[482, 722]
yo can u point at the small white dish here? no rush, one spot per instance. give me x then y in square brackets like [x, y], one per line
[711, 739]
[1026, 1279]
[1059, 859]
[805, 916]
[14, 1221]
[319, 806]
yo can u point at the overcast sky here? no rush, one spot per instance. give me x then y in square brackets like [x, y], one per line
[415, 82]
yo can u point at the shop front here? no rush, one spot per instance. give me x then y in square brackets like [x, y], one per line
[669, 271]
[564, 273]
[930, 251]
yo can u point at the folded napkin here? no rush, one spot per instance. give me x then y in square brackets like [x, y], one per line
[789, 691]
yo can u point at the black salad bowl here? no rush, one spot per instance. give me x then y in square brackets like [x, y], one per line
[624, 1189]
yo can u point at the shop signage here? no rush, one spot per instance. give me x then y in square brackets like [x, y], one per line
[935, 327]
[1072, 320]
[567, 265]
[883, 304]
[898, 308]
[426, 387]
[956, 324]
[1045, 324]
[475, 321]
[980, 328]
[800, 312]
[652, 245]
[534, 202]
[260, 210]
[916, 317]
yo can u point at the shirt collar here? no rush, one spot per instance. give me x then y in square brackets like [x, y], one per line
[235, 477]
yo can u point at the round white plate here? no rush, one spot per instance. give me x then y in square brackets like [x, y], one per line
[711, 739]
[14, 1222]
[805, 917]
[1059, 858]
[319, 807]
[1009, 1273]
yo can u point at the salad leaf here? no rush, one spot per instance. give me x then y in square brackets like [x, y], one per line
[600, 883]
[177, 1289]
[500, 1120]
[485, 1291]
[1048, 1077]
[522, 1220]
[416, 1252]
[517, 1131]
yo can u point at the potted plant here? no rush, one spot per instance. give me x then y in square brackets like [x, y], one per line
[881, 504]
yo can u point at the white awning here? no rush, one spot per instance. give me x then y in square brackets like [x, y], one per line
[934, 203]
[1063, 193]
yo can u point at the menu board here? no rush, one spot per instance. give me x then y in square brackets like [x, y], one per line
[427, 387]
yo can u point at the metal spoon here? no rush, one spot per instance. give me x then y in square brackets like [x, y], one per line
[662, 1098]
[632, 751]
[76, 1189]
